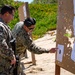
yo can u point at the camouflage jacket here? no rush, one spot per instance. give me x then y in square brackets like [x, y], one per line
[6, 52]
[24, 40]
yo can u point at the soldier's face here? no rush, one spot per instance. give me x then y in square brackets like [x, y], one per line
[29, 29]
[9, 17]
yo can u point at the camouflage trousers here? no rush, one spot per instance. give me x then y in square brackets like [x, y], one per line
[5, 68]
[4, 71]
[21, 69]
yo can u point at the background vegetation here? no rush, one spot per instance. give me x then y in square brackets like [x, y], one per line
[46, 17]
[43, 11]
[44, 1]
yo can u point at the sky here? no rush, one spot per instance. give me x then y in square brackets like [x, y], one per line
[29, 1]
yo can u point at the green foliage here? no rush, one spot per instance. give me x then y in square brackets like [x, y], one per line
[45, 15]
[46, 18]
[44, 1]
[3, 2]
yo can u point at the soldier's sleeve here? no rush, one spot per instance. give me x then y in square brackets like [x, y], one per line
[32, 47]
[5, 51]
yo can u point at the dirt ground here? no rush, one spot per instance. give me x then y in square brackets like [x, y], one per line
[45, 63]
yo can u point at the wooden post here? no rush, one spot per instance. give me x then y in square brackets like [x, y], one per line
[24, 13]
[33, 59]
[57, 69]
[33, 56]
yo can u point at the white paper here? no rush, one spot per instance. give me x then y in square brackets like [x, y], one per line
[24, 11]
[60, 52]
[73, 53]
[74, 25]
[74, 5]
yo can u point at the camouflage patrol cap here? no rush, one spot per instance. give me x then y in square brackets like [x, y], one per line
[29, 22]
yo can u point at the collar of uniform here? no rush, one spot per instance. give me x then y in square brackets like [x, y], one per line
[1, 20]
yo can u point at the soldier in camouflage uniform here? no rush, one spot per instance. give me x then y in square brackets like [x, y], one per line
[7, 57]
[22, 32]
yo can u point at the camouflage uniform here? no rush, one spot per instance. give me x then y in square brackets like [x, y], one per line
[6, 53]
[24, 41]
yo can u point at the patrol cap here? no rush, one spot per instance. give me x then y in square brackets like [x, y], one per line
[29, 22]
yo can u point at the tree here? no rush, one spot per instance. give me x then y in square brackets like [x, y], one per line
[3, 2]
[44, 1]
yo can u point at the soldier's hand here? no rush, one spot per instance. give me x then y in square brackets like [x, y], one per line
[52, 50]
[13, 62]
